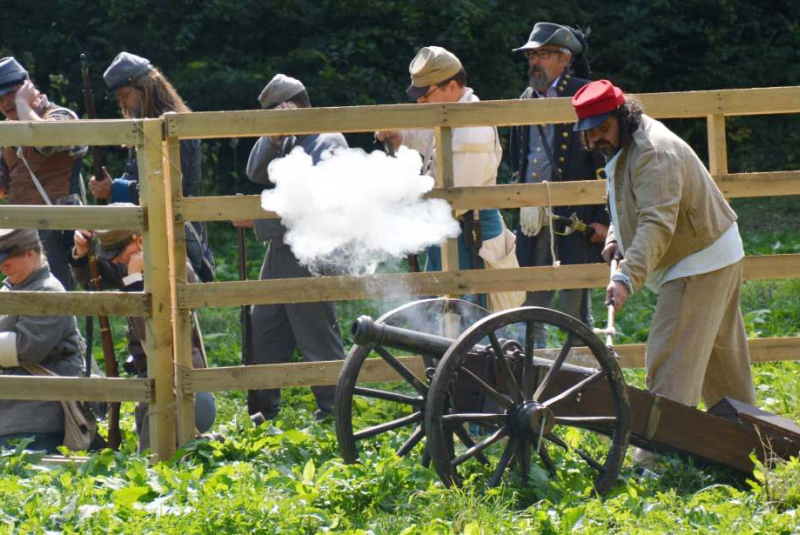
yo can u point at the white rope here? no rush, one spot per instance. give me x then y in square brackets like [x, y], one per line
[556, 262]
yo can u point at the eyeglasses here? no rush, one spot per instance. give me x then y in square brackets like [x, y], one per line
[433, 89]
[541, 53]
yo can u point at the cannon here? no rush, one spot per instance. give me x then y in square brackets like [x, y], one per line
[477, 397]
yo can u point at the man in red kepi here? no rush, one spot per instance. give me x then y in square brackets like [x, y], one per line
[674, 233]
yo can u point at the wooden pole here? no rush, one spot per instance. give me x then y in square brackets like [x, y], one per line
[182, 318]
[717, 145]
[446, 179]
[158, 343]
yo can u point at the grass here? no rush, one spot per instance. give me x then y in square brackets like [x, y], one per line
[286, 477]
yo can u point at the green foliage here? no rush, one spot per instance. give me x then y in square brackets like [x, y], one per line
[220, 54]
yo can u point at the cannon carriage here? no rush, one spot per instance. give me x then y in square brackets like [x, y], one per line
[478, 396]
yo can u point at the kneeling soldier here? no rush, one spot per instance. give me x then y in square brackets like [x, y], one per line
[121, 264]
[52, 342]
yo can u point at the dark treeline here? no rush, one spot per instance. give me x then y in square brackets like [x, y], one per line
[219, 54]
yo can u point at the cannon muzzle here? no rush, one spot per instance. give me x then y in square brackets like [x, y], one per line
[366, 332]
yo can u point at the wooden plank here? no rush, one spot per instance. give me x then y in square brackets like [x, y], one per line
[398, 285]
[717, 145]
[76, 303]
[285, 375]
[445, 178]
[377, 370]
[485, 113]
[158, 343]
[71, 217]
[769, 184]
[181, 324]
[736, 185]
[65, 133]
[28, 388]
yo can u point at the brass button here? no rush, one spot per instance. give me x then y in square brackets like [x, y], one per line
[565, 134]
[563, 147]
[534, 175]
[535, 160]
[562, 159]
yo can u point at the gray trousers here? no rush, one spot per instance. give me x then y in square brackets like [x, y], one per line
[278, 330]
[576, 303]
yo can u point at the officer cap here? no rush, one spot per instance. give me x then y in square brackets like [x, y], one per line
[11, 238]
[280, 89]
[432, 65]
[594, 102]
[11, 74]
[125, 68]
[550, 34]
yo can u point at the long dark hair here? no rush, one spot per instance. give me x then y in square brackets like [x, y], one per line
[629, 116]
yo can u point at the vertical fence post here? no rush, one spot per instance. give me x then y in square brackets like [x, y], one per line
[446, 179]
[158, 343]
[717, 145]
[182, 319]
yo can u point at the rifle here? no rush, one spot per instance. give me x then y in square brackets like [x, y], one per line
[413, 261]
[110, 357]
[253, 405]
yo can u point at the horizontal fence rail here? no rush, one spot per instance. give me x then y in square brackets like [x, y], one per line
[68, 133]
[223, 124]
[27, 388]
[72, 217]
[377, 370]
[394, 285]
[77, 303]
[737, 185]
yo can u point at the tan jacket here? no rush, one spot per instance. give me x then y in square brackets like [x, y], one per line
[668, 205]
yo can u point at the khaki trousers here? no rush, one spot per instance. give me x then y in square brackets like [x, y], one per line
[697, 344]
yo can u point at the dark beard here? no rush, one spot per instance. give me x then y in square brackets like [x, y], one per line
[606, 149]
[539, 81]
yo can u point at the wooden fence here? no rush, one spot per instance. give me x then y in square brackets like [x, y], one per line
[161, 216]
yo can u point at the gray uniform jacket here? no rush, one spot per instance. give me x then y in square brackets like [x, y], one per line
[50, 341]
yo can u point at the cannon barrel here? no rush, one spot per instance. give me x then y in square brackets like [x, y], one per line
[366, 331]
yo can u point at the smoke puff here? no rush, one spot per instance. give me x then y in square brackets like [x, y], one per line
[354, 210]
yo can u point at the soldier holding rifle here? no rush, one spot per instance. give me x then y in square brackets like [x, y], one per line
[39, 175]
[52, 342]
[675, 234]
[121, 263]
[142, 91]
[280, 329]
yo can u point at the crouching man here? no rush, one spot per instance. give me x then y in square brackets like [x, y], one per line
[121, 263]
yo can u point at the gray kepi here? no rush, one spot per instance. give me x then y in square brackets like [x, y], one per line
[551, 34]
[280, 89]
[11, 74]
[11, 238]
[125, 68]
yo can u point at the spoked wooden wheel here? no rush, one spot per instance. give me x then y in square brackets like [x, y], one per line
[379, 409]
[532, 406]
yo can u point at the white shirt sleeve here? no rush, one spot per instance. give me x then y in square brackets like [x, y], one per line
[8, 350]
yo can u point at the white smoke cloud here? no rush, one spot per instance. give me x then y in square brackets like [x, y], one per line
[354, 210]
